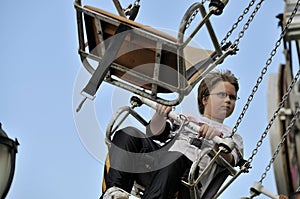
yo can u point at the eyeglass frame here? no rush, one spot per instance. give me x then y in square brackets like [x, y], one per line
[223, 95]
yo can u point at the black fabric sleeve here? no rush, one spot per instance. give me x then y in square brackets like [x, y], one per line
[164, 136]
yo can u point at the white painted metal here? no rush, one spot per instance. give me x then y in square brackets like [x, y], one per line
[275, 134]
[293, 32]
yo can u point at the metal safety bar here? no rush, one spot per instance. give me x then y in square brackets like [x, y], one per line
[113, 126]
[191, 125]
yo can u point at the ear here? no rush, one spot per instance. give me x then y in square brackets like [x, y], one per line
[204, 100]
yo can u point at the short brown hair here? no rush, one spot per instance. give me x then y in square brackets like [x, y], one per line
[210, 80]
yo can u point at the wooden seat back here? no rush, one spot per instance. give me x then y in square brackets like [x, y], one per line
[138, 54]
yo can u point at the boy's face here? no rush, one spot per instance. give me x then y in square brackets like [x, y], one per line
[220, 103]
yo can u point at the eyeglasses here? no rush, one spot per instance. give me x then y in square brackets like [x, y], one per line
[223, 95]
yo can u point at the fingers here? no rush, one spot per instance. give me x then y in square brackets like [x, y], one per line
[208, 132]
[282, 196]
[163, 110]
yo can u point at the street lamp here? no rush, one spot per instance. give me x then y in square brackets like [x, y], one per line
[8, 150]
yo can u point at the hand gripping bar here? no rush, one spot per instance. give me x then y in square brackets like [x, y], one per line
[227, 143]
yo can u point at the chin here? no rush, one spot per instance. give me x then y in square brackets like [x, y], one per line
[228, 114]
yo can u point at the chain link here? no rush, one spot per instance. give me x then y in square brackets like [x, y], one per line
[203, 1]
[137, 2]
[281, 104]
[193, 16]
[264, 70]
[246, 26]
[288, 130]
[240, 18]
[191, 19]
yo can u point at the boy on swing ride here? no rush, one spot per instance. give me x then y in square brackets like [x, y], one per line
[135, 156]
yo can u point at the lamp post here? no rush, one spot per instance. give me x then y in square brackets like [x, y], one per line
[8, 150]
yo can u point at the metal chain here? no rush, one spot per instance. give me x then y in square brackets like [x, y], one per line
[240, 18]
[246, 26]
[234, 26]
[203, 1]
[264, 70]
[191, 19]
[193, 16]
[288, 130]
[137, 2]
[281, 104]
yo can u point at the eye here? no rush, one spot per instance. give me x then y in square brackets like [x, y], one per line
[222, 94]
[232, 97]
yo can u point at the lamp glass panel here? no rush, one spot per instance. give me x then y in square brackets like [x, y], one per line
[5, 167]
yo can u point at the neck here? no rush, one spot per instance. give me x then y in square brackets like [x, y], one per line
[212, 118]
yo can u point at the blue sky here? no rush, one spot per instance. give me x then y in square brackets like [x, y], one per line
[41, 77]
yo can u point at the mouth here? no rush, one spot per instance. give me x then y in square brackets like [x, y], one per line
[226, 108]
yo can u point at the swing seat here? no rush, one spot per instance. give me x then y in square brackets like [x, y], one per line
[137, 53]
[148, 61]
